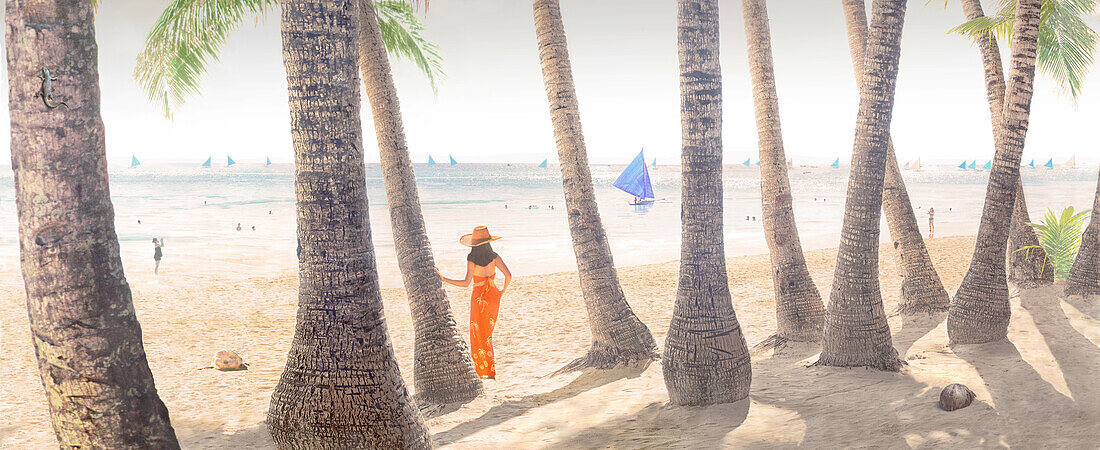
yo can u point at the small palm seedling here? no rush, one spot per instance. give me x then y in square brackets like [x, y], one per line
[1060, 237]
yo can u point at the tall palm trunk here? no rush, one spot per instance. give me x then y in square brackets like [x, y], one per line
[856, 331]
[1029, 267]
[618, 337]
[706, 360]
[86, 335]
[341, 387]
[980, 311]
[442, 370]
[921, 288]
[1084, 277]
[798, 308]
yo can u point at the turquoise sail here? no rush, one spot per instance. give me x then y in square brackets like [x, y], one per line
[835, 163]
[988, 165]
[207, 162]
[747, 162]
[229, 161]
[654, 163]
[453, 162]
[635, 180]
[973, 164]
[758, 162]
[1031, 164]
[431, 162]
[543, 164]
[268, 161]
[1050, 164]
[134, 162]
[963, 165]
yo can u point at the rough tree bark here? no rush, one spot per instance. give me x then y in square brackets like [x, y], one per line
[921, 288]
[86, 334]
[980, 311]
[341, 387]
[1084, 276]
[799, 311]
[856, 331]
[442, 369]
[618, 337]
[706, 360]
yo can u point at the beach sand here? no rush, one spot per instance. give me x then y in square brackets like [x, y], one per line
[1038, 389]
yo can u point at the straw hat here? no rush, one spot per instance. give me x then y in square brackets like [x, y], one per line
[479, 236]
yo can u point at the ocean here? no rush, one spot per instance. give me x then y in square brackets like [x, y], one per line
[197, 210]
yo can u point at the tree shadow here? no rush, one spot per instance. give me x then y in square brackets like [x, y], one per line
[589, 379]
[198, 434]
[1077, 356]
[661, 425]
[914, 326]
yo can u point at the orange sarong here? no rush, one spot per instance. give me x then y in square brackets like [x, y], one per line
[484, 305]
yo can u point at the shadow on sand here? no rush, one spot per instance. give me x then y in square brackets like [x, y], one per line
[913, 327]
[661, 425]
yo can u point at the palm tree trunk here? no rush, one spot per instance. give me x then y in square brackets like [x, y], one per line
[856, 331]
[341, 387]
[1029, 267]
[86, 335]
[798, 308]
[706, 360]
[980, 311]
[921, 288]
[1084, 277]
[618, 337]
[443, 371]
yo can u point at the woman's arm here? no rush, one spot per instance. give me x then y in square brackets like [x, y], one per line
[507, 273]
[460, 283]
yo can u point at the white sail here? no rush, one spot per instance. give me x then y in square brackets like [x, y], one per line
[916, 165]
[1071, 162]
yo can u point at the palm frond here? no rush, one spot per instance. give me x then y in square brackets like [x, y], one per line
[1060, 237]
[185, 38]
[403, 36]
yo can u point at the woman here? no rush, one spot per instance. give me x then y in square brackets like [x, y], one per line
[481, 267]
[157, 254]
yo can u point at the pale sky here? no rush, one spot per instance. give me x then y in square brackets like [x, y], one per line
[492, 107]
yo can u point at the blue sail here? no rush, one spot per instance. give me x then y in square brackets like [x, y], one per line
[543, 165]
[747, 161]
[1031, 164]
[963, 165]
[268, 161]
[1050, 164]
[229, 161]
[654, 163]
[988, 165]
[973, 164]
[835, 163]
[453, 162]
[134, 162]
[635, 179]
[207, 162]
[431, 162]
[758, 162]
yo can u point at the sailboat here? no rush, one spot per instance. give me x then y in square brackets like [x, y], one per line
[747, 162]
[908, 165]
[134, 162]
[915, 165]
[543, 163]
[1049, 164]
[758, 162]
[635, 181]
[207, 162]
[654, 163]
[431, 162]
[973, 164]
[790, 163]
[229, 161]
[453, 162]
[268, 161]
[1071, 162]
[835, 164]
[963, 165]
[1031, 164]
[988, 165]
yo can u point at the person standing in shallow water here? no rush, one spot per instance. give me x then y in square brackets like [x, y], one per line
[931, 222]
[481, 268]
[157, 254]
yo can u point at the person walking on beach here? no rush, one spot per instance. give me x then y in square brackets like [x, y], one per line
[157, 254]
[931, 222]
[481, 267]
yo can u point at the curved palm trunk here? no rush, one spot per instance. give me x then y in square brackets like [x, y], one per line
[921, 288]
[341, 387]
[706, 360]
[1084, 277]
[618, 337]
[798, 308]
[856, 331]
[980, 311]
[86, 335]
[1029, 267]
[442, 370]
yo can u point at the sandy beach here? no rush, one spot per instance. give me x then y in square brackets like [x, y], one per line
[1035, 390]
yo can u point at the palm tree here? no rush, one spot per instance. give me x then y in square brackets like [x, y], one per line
[341, 387]
[798, 308]
[921, 288]
[618, 337]
[189, 33]
[980, 310]
[856, 331]
[1027, 263]
[1084, 277]
[443, 371]
[86, 334]
[706, 360]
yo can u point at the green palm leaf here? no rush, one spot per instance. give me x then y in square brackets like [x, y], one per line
[189, 34]
[1060, 237]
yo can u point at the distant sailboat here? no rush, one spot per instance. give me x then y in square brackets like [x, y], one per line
[229, 161]
[915, 165]
[207, 162]
[963, 165]
[654, 163]
[134, 162]
[635, 181]
[1050, 164]
[758, 162]
[543, 164]
[908, 165]
[835, 164]
[747, 162]
[453, 162]
[268, 161]
[1071, 162]
[1031, 164]
[973, 164]
[431, 162]
[790, 163]
[988, 165]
